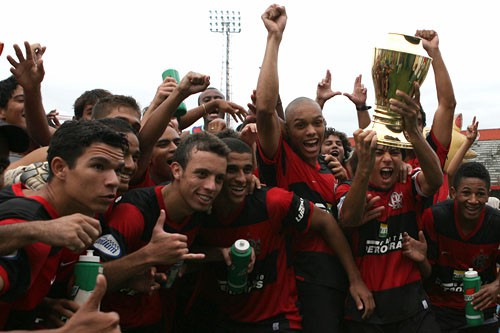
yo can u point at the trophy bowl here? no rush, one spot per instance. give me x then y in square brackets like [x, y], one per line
[396, 66]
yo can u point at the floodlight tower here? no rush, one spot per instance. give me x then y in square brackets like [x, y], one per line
[226, 22]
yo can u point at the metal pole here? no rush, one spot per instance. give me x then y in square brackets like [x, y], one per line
[228, 92]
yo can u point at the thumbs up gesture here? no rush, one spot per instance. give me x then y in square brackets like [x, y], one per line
[88, 319]
[167, 249]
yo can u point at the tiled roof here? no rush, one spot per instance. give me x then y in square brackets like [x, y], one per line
[488, 134]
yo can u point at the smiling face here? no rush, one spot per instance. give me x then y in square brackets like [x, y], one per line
[385, 172]
[238, 177]
[471, 195]
[305, 129]
[333, 146]
[201, 180]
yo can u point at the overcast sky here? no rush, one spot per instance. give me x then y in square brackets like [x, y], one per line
[124, 46]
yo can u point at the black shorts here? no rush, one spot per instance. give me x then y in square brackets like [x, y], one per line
[277, 324]
[422, 322]
[321, 307]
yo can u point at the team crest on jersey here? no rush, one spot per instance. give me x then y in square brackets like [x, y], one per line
[396, 201]
[255, 244]
[480, 261]
[108, 245]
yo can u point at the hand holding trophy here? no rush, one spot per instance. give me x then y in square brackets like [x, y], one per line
[396, 66]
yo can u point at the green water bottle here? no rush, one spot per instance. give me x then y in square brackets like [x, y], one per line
[472, 284]
[181, 109]
[86, 271]
[237, 272]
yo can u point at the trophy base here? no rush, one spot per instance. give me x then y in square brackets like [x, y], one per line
[389, 128]
[387, 137]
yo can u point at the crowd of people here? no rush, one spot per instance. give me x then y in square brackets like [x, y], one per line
[369, 238]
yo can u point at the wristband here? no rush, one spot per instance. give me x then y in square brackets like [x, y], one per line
[204, 109]
[363, 108]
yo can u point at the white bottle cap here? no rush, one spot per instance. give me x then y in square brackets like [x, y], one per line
[241, 245]
[90, 257]
[471, 273]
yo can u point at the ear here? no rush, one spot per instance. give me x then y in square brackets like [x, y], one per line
[59, 168]
[453, 192]
[2, 114]
[176, 170]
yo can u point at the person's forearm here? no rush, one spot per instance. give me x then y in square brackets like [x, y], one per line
[363, 118]
[267, 96]
[119, 271]
[429, 163]
[152, 130]
[443, 118]
[36, 120]
[17, 235]
[353, 206]
[268, 82]
[192, 116]
[425, 269]
[336, 240]
[457, 159]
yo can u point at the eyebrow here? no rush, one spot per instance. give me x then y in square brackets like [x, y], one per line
[106, 161]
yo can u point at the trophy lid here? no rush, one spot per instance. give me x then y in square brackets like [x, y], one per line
[404, 43]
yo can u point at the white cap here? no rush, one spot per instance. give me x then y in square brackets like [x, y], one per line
[241, 245]
[90, 257]
[471, 273]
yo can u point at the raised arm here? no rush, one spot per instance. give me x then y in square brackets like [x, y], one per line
[354, 204]
[324, 90]
[29, 72]
[162, 92]
[442, 124]
[431, 176]
[268, 124]
[158, 121]
[470, 137]
[358, 98]
[221, 106]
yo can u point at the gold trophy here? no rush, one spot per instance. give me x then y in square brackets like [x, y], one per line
[396, 65]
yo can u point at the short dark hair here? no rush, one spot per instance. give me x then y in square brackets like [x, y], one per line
[201, 141]
[73, 137]
[209, 88]
[228, 133]
[343, 138]
[424, 116]
[7, 88]
[107, 104]
[236, 145]
[89, 97]
[472, 170]
[117, 124]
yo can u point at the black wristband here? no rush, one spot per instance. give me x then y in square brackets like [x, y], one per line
[363, 108]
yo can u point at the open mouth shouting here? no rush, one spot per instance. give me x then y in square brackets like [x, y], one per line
[386, 173]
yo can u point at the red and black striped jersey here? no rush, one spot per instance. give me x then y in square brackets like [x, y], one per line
[264, 219]
[451, 252]
[314, 261]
